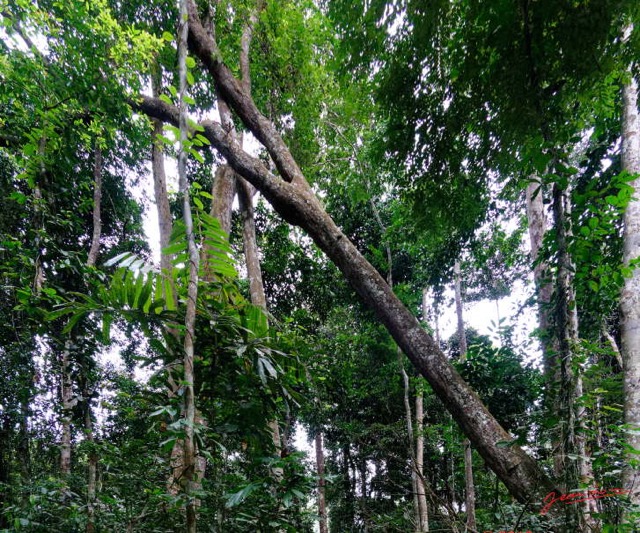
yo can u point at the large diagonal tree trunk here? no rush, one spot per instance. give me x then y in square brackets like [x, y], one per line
[297, 204]
[630, 297]
[294, 200]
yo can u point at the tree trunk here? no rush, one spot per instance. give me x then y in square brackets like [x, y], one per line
[297, 204]
[322, 506]
[417, 478]
[462, 337]
[423, 512]
[97, 199]
[92, 467]
[470, 491]
[251, 251]
[23, 452]
[192, 292]
[541, 276]
[630, 296]
[572, 415]
[165, 223]
[67, 400]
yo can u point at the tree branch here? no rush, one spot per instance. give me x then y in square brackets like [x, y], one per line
[202, 44]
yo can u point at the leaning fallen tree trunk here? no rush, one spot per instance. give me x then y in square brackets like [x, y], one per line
[298, 205]
[294, 200]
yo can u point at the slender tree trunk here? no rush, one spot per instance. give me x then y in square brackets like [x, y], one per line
[544, 287]
[462, 337]
[189, 463]
[94, 250]
[572, 415]
[470, 491]
[246, 193]
[292, 197]
[165, 228]
[251, 251]
[92, 468]
[544, 292]
[417, 479]
[630, 297]
[23, 448]
[97, 199]
[165, 223]
[322, 506]
[423, 512]
[66, 390]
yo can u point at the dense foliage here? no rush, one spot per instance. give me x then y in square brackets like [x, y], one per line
[419, 126]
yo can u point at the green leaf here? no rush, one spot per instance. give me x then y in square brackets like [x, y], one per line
[117, 259]
[237, 498]
[106, 327]
[612, 200]
[167, 36]
[191, 63]
[174, 248]
[196, 155]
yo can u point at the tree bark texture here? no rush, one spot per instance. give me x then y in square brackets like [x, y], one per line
[462, 337]
[97, 199]
[470, 490]
[192, 291]
[68, 403]
[423, 511]
[251, 251]
[630, 297]
[571, 413]
[294, 200]
[92, 467]
[165, 224]
[537, 226]
[322, 506]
